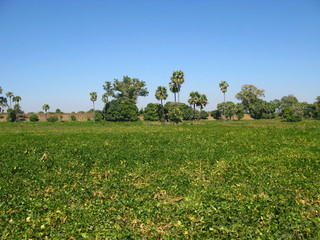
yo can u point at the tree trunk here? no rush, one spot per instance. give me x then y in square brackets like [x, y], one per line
[94, 113]
[224, 105]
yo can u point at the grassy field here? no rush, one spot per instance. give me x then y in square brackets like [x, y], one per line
[214, 180]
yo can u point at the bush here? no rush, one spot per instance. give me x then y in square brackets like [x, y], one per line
[34, 118]
[204, 114]
[216, 114]
[98, 116]
[174, 112]
[121, 111]
[186, 110]
[152, 112]
[52, 118]
[73, 118]
[11, 115]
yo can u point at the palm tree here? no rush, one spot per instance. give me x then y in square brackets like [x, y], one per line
[193, 100]
[16, 99]
[104, 99]
[224, 87]
[202, 102]
[93, 98]
[161, 94]
[45, 108]
[10, 96]
[177, 80]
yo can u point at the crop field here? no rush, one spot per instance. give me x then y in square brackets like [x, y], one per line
[208, 180]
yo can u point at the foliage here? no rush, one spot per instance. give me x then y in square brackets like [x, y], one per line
[239, 111]
[58, 111]
[73, 118]
[185, 110]
[204, 114]
[53, 118]
[174, 112]
[78, 180]
[127, 90]
[229, 108]
[152, 112]
[262, 110]
[216, 114]
[11, 115]
[289, 116]
[34, 118]
[249, 95]
[121, 111]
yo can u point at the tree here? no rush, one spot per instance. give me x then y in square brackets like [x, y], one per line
[10, 96]
[45, 108]
[161, 94]
[127, 90]
[230, 109]
[239, 111]
[177, 79]
[202, 102]
[249, 94]
[224, 87]
[193, 101]
[93, 98]
[16, 99]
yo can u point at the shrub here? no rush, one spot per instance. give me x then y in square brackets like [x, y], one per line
[98, 116]
[73, 118]
[186, 110]
[152, 112]
[216, 114]
[174, 112]
[34, 118]
[52, 118]
[11, 115]
[121, 111]
[204, 114]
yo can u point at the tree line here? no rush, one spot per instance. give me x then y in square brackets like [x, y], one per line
[120, 98]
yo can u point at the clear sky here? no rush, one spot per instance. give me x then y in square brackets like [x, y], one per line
[58, 51]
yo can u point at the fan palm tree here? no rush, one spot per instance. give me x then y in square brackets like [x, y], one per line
[10, 96]
[177, 80]
[93, 98]
[45, 108]
[193, 100]
[16, 99]
[202, 102]
[161, 94]
[224, 87]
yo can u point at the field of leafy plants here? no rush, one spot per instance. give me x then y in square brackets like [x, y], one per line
[208, 180]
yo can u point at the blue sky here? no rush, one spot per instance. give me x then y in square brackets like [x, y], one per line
[57, 52]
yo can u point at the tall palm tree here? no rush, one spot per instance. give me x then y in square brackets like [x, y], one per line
[193, 100]
[104, 99]
[177, 80]
[93, 98]
[224, 87]
[161, 94]
[45, 108]
[202, 102]
[10, 96]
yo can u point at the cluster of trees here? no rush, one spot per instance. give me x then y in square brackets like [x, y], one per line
[288, 107]
[12, 111]
[120, 100]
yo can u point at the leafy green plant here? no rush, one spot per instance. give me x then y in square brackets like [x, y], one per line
[73, 118]
[53, 118]
[34, 118]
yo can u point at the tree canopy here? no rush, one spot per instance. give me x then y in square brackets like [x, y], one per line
[249, 94]
[127, 90]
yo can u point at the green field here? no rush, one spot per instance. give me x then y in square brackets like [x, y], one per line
[214, 180]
